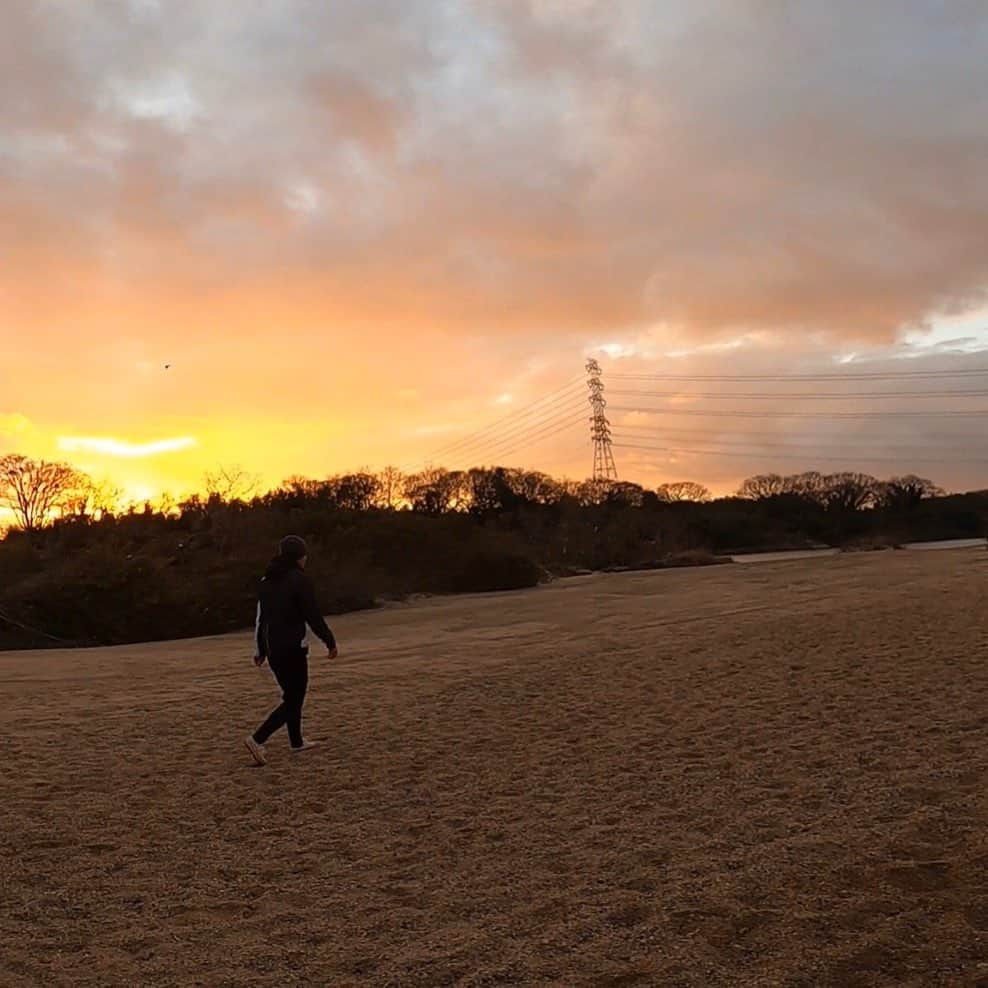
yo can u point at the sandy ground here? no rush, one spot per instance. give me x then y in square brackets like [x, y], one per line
[754, 775]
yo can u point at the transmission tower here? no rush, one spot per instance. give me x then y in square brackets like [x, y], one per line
[600, 429]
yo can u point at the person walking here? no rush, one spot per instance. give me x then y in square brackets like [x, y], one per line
[286, 604]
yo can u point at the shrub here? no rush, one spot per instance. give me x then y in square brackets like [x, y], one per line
[482, 571]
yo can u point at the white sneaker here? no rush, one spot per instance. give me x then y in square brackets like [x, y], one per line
[305, 746]
[256, 751]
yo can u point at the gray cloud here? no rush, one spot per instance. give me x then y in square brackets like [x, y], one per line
[548, 166]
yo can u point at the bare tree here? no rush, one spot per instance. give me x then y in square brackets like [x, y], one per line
[683, 490]
[167, 504]
[35, 490]
[623, 493]
[105, 498]
[391, 488]
[849, 491]
[488, 491]
[572, 491]
[355, 491]
[762, 486]
[231, 483]
[435, 491]
[811, 485]
[93, 499]
[590, 492]
[535, 487]
[899, 493]
[306, 487]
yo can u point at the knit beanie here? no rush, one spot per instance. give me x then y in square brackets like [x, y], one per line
[292, 547]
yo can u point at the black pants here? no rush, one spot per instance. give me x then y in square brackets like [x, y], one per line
[292, 673]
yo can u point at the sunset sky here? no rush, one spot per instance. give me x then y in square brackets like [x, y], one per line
[359, 231]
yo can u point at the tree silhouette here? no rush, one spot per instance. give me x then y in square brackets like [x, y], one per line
[490, 491]
[761, 486]
[810, 485]
[846, 492]
[231, 483]
[623, 493]
[305, 488]
[901, 493]
[92, 500]
[355, 491]
[534, 487]
[391, 488]
[435, 491]
[35, 490]
[683, 490]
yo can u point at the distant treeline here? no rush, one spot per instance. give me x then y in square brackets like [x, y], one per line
[85, 573]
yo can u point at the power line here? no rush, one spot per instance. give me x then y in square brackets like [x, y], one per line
[753, 437]
[485, 447]
[478, 440]
[517, 440]
[936, 413]
[801, 457]
[535, 439]
[571, 407]
[822, 376]
[515, 416]
[801, 396]
[784, 444]
[558, 411]
[683, 431]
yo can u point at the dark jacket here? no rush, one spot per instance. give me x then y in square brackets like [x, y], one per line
[286, 604]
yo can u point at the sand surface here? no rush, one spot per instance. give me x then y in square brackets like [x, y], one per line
[744, 776]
